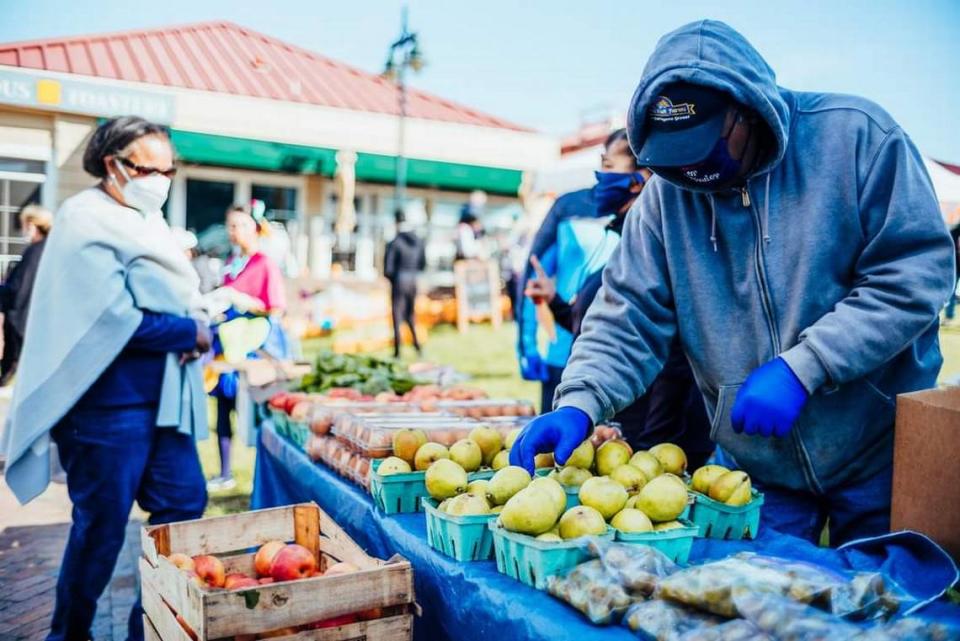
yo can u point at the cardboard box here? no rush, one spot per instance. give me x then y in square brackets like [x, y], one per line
[926, 466]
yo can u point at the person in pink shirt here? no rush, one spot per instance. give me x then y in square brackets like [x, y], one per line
[255, 274]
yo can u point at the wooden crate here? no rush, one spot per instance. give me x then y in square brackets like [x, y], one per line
[245, 613]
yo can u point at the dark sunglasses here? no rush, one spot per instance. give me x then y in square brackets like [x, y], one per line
[148, 171]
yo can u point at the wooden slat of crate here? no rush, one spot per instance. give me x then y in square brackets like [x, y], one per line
[160, 618]
[167, 583]
[221, 534]
[149, 632]
[232, 612]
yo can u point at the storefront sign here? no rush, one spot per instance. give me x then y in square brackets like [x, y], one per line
[85, 97]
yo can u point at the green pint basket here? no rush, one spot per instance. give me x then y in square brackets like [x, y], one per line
[721, 521]
[675, 544]
[465, 538]
[530, 561]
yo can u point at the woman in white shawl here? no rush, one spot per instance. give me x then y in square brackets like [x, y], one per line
[109, 367]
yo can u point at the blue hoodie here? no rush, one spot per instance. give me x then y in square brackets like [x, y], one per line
[833, 256]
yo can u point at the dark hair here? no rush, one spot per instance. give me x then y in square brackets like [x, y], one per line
[112, 137]
[399, 216]
[619, 134]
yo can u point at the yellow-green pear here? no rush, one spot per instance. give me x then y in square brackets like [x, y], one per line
[478, 488]
[554, 489]
[393, 465]
[581, 520]
[733, 488]
[629, 477]
[573, 476]
[468, 505]
[489, 440]
[529, 511]
[551, 537]
[445, 479]
[704, 477]
[604, 495]
[582, 457]
[428, 453]
[672, 458]
[511, 437]
[647, 463]
[467, 454]
[612, 455]
[631, 520]
[669, 525]
[505, 483]
[501, 460]
[663, 498]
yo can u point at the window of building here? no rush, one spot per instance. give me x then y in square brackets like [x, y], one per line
[20, 185]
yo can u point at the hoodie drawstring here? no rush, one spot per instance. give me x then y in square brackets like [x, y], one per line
[713, 222]
[766, 211]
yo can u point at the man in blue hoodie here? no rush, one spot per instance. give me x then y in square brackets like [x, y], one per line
[793, 243]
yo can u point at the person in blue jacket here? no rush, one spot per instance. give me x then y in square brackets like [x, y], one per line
[547, 368]
[793, 243]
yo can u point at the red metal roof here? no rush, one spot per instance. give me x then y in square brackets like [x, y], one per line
[225, 57]
[951, 167]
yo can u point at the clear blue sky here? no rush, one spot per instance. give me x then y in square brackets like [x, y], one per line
[542, 62]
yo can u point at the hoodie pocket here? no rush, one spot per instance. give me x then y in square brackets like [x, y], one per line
[721, 411]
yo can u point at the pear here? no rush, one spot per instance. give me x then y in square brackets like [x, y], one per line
[542, 461]
[393, 465]
[554, 489]
[582, 457]
[407, 442]
[573, 476]
[669, 525]
[612, 455]
[496, 509]
[647, 463]
[604, 495]
[445, 479]
[529, 511]
[467, 505]
[467, 454]
[489, 440]
[478, 488]
[580, 521]
[671, 457]
[505, 483]
[630, 478]
[733, 488]
[551, 536]
[428, 453]
[501, 460]
[511, 437]
[704, 477]
[663, 498]
[631, 520]
[632, 502]
[442, 506]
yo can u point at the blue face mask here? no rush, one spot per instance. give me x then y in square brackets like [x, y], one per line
[717, 171]
[613, 190]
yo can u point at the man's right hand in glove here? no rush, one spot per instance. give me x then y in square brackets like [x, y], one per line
[559, 431]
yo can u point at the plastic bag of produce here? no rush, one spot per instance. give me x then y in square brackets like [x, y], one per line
[913, 629]
[711, 586]
[638, 568]
[788, 620]
[735, 630]
[593, 591]
[663, 621]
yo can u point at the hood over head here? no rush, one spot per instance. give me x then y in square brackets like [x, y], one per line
[712, 54]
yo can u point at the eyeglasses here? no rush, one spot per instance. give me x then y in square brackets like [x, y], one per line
[148, 171]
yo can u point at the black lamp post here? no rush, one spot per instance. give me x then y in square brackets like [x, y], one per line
[404, 53]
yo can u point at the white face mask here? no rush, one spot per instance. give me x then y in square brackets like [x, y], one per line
[146, 194]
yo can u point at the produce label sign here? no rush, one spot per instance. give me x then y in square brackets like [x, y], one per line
[477, 285]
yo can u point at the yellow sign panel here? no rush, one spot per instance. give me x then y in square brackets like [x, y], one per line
[48, 92]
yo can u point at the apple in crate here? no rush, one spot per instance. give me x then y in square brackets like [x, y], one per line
[210, 569]
[234, 580]
[264, 557]
[333, 622]
[182, 561]
[293, 562]
[340, 568]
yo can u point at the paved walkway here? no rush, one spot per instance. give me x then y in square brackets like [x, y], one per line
[32, 539]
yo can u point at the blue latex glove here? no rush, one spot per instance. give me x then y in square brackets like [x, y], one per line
[769, 401]
[559, 431]
[532, 368]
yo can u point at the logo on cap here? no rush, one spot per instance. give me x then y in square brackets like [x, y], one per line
[663, 110]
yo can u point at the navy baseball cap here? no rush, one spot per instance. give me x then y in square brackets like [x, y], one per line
[683, 125]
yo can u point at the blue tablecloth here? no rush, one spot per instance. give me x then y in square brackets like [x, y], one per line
[472, 601]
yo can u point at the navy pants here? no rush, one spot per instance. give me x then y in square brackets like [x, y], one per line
[113, 457]
[855, 511]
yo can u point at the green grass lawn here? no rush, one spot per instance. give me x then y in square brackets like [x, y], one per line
[488, 356]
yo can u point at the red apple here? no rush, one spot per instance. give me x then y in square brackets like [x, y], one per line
[182, 561]
[265, 580]
[293, 562]
[210, 569]
[245, 582]
[264, 557]
[282, 632]
[371, 614]
[340, 568]
[230, 582]
[195, 578]
[343, 619]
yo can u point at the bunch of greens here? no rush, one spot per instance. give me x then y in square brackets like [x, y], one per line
[366, 374]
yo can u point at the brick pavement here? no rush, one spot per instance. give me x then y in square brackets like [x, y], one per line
[31, 546]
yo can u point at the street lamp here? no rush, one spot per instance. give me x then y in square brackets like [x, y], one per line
[404, 53]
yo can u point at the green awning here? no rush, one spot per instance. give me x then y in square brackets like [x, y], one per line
[245, 153]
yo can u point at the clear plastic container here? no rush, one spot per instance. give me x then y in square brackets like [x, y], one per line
[372, 434]
[481, 409]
